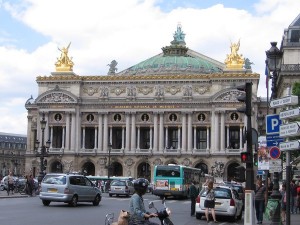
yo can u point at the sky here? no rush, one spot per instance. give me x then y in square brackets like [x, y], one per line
[128, 31]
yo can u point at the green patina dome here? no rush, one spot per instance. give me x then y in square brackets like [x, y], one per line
[176, 59]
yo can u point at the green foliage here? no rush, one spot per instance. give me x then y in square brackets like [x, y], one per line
[296, 89]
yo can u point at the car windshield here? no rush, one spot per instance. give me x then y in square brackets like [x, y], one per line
[55, 179]
[223, 193]
[118, 183]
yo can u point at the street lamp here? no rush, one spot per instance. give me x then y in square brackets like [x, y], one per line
[260, 122]
[274, 56]
[107, 166]
[43, 150]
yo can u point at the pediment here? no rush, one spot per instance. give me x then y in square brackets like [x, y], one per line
[57, 96]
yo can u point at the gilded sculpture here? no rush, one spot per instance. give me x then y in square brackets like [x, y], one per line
[64, 63]
[234, 60]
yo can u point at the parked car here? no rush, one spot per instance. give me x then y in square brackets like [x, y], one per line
[4, 182]
[68, 188]
[121, 187]
[240, 190]
[227, 203]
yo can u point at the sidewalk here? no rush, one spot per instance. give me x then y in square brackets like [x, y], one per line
[3, 194]
[295, 219]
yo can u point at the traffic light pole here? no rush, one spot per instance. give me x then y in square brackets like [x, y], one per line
[249, 165]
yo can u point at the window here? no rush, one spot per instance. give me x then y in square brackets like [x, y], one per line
[234, 138]
[201, 138]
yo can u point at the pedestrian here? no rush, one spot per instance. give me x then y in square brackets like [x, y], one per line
[293, 198]
[209, 202]
[260, 200]
[30, 184]
[10, 183]
[193, 191]
[138, 214]
[283, 202]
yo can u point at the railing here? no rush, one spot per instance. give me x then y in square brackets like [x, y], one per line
[290, 67]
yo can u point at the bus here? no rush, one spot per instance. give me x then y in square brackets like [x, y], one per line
[174, 180]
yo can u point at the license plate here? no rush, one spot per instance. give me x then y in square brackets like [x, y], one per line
[167, 193]
[52, 190]
[118, 188]
[218, 203]
[174, 189]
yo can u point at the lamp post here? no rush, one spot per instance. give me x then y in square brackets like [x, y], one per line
[15, 162]
[107, 166]
[274, 56]
[43, 150]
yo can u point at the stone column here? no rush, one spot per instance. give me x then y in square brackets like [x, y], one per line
[95, 141]
[189, 133]
[30, 136]
[227, 136]
[195, 137]
[133, 132]
[83, 138]
[138, 137]
[73, 132]
[222, 131]
[105, 132]
[241, 137]
[208, 138]
[183, 132]
[167, 137]
[151, 137]
[179, 139]
[67, 142]
[213, 134]
[217, 132]
[127, 143]
[155, 131]
[100, 132]
[63, 137]
[161, 132]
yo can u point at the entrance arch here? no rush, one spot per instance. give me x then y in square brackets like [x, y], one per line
[116, 169]
[88, 168]
[230, 171]
[56, 167]
[144, 171]
[203, 167]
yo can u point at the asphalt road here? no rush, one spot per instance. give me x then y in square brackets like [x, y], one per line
[30, 211]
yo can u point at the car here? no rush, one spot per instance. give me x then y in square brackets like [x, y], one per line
[227, 203]
[4, 182]
[121, 187]
[240, 190]
[68, 188]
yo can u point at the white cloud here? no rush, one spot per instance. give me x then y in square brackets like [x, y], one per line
[130, 31]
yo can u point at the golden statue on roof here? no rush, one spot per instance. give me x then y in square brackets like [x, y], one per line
[234, 60]
[64, 63]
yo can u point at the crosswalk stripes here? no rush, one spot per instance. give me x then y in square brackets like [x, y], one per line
[147, 200]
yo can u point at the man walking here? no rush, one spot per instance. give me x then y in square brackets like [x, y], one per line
[193, 195]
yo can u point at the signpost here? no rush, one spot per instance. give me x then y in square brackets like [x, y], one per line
[272, 124]
[274, 153]
[291, 129]
[275, 166]
[292, 113]
[290, 145]
[288, 100]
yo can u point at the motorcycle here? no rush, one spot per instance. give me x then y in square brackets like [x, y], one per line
[164, 214]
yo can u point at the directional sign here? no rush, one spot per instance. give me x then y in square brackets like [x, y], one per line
[292, 113]
[272, 124]
[288, 100]
[291, 129]
[290, 145]
[274, 140]
[274, 152]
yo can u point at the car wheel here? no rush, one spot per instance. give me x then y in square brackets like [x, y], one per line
[46, 202]
[239, 217]
[233, 218]
[110, 195]
[198, 216]
[74, 201]
[96, 200]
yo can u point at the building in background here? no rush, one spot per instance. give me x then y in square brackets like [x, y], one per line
[178, 107]
[12, 154]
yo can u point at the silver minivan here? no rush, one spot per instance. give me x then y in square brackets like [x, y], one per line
[121, 187]
[68, 188]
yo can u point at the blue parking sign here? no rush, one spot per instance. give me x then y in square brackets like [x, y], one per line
[273, 124]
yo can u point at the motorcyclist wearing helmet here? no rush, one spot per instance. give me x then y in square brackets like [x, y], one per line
[138, 214]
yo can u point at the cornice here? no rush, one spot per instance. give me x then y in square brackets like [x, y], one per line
[146, 77]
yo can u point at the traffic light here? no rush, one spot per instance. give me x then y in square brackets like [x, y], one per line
[255, 159]
[246, 98]
[245, 157]
[239, 174]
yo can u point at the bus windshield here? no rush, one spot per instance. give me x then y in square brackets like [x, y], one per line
[168, 171]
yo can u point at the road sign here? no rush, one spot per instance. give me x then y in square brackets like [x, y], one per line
[288, 100]
[290, 145]
[275, 166]
[291, 129]
[274, 152]
[290, 113]
[274, 140]
[272, 124]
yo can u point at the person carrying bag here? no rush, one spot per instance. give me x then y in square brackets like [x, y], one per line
[209, 202]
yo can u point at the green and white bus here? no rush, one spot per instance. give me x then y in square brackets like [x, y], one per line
[174, 180]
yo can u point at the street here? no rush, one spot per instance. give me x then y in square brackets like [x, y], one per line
[30, 211]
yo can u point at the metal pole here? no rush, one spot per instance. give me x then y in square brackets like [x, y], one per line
[108, 167]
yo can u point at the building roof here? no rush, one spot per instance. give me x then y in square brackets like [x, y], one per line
[13, 138]
[175, 59]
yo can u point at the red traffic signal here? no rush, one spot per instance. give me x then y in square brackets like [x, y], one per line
[245, 157]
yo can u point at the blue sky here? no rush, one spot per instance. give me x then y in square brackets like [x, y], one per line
[128, 31]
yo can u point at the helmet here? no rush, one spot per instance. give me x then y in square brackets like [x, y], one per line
[141, 184]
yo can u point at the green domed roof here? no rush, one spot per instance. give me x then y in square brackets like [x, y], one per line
[176, 59]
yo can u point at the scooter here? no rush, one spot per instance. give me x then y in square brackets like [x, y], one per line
[164, 214]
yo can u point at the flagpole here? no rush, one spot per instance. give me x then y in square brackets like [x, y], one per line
[267, 84]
